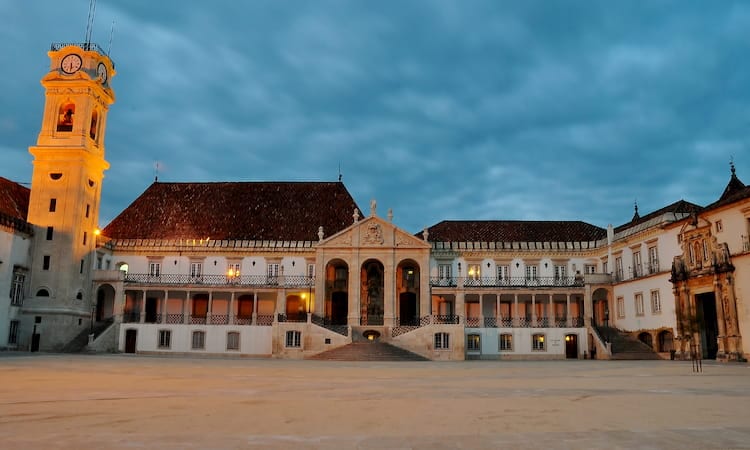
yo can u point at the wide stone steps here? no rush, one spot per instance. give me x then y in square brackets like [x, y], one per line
[368, 351]
[625, 347]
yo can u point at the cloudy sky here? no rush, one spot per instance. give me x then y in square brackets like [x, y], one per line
[538, 110]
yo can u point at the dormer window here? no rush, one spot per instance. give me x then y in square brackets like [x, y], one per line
[65, 117]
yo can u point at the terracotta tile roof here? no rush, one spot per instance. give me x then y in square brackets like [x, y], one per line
[680, 206]
[288, 211]
[514, 231]
[14, 199]
[14, 205]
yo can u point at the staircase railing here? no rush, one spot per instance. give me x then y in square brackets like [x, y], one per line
[325, 322]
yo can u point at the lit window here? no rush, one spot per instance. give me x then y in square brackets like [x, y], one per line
[199, 340]
[537, 343]
[506, 342]
[233, 340]
[473, 342]
[294, 339]
[475, 271]
[165, 338]
[442, 341]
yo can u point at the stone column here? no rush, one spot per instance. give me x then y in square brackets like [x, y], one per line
[255, 308]
[461, 305]
[210, 307]
[187, 308]
[734, 340]
[552, 315]
[498, 315]
[164, 307]
[230, 319]
[568, 320]
[143, 307]
[588, 305]
[516, 322]
[533, 310]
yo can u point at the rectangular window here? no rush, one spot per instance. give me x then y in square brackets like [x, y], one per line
[445, 271]
[98, 263]
[196, 270]
[719, 226]
[655, 302]
[52, 204]
[16, 288]
[637, 270]
[442, 341]
[272, 270]
[154, 269]
[503, 273]
[506, 342]
[233, 340]
[537, 343]
[639, 304]
[82, 264]
[311, 271]
[50, 231]
[293, 339]
[88, 210]
[233, 271]
[13, 332]
[589, 269]
[620, 307]
[531, 273]
[473, 342]
[85, 237]
[653, 259]
[199, 340]
[165, 338]
[605, 267]
[45, 262]
[559, 272]
[618, 268]
[474, 271]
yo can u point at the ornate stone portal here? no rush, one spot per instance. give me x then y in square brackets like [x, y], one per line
[705, 302]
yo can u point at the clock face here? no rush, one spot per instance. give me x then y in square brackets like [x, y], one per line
[101, 71]
[71, 63]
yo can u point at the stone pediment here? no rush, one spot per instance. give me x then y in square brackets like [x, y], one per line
[373, 232]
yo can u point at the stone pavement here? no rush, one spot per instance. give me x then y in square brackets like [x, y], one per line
[126, 402]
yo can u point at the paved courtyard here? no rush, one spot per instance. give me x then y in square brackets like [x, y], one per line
[126, 402]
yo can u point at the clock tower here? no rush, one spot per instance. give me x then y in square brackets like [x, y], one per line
[66, 185]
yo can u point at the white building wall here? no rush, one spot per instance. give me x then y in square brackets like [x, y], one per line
[254, 340]
[14, 251]
[522, 342]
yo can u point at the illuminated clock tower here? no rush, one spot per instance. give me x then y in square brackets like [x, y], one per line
[66, 186]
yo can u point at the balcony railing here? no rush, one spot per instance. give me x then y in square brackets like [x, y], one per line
[511, 282]
[221, 280]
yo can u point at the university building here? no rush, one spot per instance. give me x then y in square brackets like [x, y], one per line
[298, 269]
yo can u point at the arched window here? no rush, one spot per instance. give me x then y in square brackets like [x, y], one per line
[79, 296]
[94, 124]
[65, 116]
[42, 293]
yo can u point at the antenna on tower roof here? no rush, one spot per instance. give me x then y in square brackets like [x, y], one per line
[156, 171]
[111, 36]
[90, 23]
[340, 176]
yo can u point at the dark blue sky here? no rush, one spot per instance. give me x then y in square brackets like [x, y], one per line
[544, 110]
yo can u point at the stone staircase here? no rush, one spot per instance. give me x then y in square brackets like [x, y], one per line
[625, 346]
[78, 344]
[368, 351]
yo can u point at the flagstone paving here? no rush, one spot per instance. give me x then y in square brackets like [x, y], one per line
[125, 402]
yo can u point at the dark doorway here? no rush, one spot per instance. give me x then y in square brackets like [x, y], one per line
[339, 308]
[408, 308]
[151, 307]
[35, 338]
[131, 337]
[571, 346]
[100, 305]
[705, 306]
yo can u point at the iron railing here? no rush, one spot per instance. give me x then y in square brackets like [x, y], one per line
[131, 317]
[472, 322]
[265, 320]
[327, 323]
[90, 46]
[296, 317]
[221, 280]
[489, 282]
